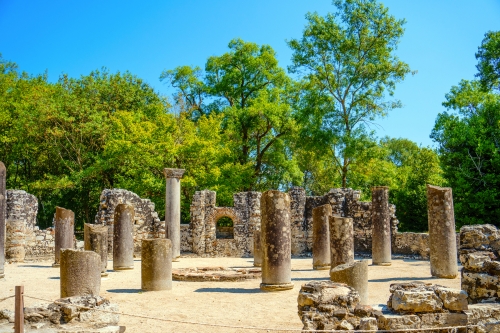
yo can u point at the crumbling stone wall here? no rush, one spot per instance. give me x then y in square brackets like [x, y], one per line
[479, 255]
[246, 217]
[326, 305]
[204, 216]
[146, 221]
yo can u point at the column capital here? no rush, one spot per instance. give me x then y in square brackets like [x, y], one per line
[173, 173]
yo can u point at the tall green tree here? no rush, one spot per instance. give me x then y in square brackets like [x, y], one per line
[252, 91]
[468, 135]
[350, 71]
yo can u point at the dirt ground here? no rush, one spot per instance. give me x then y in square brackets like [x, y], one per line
[226, 303]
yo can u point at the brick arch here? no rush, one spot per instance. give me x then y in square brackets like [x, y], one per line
[219, 212]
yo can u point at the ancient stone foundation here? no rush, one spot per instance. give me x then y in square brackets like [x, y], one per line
[479, 255]
[326, 305]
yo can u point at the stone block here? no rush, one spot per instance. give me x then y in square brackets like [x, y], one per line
[393, 322]
[366, 324]
[453, 299]
[429, 320]
[416, 301]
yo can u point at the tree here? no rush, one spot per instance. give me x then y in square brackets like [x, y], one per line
[469, 145]
[348, 63]
[489, 61]
[252, 91]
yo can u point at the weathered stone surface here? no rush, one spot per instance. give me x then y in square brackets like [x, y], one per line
[442, 239]
[486, 316]
[216, 274]
[147, 224]
[341, 240]
[479, 256]
[3, 213]
[321, 303]
[429, 320]
[355, 275]
[366, 324]
[96, 239]
[173, 209]
[321, 237]
[416, 301]
[381, 237]
[15, 240]
[276, 241]
[257, 248]
[80, 273]
[393, 322]
[64, 225]
[453, 299]
[123, 240]
[156, 266]
[480, 237]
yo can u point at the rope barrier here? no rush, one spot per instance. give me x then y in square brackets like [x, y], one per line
[3, 299]
[451, 329]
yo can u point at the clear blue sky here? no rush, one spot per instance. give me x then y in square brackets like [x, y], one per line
[76, 37]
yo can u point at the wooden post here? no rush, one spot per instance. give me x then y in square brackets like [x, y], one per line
[19, 310]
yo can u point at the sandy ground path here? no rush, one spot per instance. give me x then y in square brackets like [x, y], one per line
[227, 303]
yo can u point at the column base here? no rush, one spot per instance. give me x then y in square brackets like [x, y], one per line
[381, 263]
[104, 274]
[276, 287]
[321, 267]
[56, 265]
[123, 268]
[257, 265]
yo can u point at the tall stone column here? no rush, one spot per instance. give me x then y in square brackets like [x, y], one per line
[80, 273]
[123, 238]
[341, 240]
[95, 238]
[442, 235]
[3, 214]
[257, 248]
[321, 237]
[156, 266]
[276, 241]
[381, 221]
[173, 209]
[64, 227]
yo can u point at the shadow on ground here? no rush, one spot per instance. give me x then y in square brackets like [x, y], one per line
[396, 279]
[228, 290]
[37, 266]
[125, 291]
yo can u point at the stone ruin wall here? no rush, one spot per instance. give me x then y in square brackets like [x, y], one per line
[200, 236]
[480, 257]
[147, 224]
[204, 215]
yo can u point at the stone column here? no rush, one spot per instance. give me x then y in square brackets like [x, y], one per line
[442, 235]
[321, 237]
[3, 214]
[123, 238]
[80, 273]
[276, 241]
[64, 227]
[156, 267]
[173, 209]
[95, 238]
[341, 240]
[257, 248]
[381, 222]
[354, 274]
[15, 240]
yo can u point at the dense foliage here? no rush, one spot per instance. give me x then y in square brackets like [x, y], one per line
[469, 139]
[243, 123]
